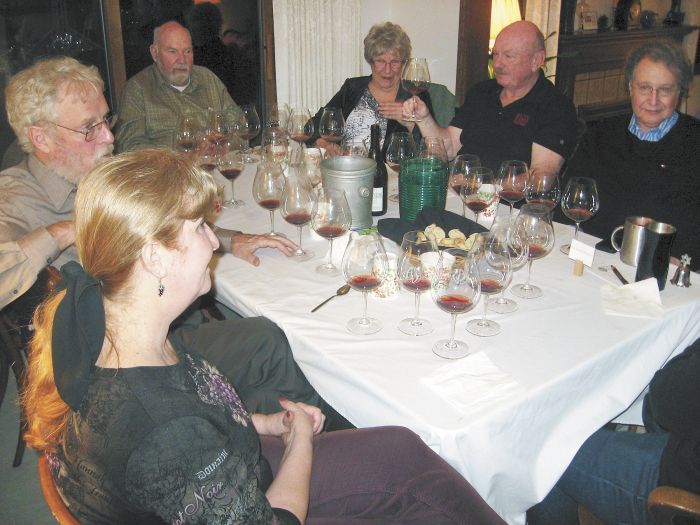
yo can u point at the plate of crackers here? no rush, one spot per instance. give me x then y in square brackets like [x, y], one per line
[455, 238]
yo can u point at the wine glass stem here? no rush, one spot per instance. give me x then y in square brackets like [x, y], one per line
[413, 115]
[510, 213]
[416, 302]
[233, 198]
[483, 318]
[578, 224]
[364, 309]
[529, 271]
[464, 209]
[453, 324]
[330, 253]
[300, 251]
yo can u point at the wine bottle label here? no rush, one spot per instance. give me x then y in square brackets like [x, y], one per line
[377, 199]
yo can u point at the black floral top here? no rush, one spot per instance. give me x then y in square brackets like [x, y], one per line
[171, 444]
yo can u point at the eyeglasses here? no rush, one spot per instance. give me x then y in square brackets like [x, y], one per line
[381, 64]
[662, 91]
[92, 130]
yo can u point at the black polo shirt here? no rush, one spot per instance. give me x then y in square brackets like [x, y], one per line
[496, 133]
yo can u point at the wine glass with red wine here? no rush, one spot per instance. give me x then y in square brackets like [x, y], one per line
[415, 79]
[579, 203]
[297, 205]
[459, 167]
[479, 190]
[186, 135]
[536, 224]
[231, 166]
[268, 186]
[330, 218]
[493, 263]
[300, 125]
[248, 127]
[512, 181]
[217, 129]
[414, 269]
[456, 289]
[331, 126]
[401, 147]
[543, 188]
[365, 266]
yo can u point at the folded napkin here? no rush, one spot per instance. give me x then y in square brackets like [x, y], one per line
[473, 385]
[640, 299]
[394, 229]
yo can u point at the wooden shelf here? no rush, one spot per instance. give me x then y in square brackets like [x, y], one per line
[590, 66]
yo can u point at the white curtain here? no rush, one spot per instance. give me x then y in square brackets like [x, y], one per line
[317, 46]
[545, 14]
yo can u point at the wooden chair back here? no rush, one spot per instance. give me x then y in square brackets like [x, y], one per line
[672, 506]
[57, 506]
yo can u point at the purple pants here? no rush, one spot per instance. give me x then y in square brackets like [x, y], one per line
[384, 475]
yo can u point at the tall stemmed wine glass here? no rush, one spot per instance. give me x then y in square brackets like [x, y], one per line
[479, 190]
[268, 186]
[543, 188]
[432, 148]
[332, 124]
[455, 289]
[493, 262]
[539, 236]
[579, 203]
[414, 79]
[401, 147]
[248, 128]
[512, 181]
[415, 266]
[274, 146]
[230, 166]
[330, 218]
[217, 129]
[186, 135]
[507, 230]
[300, 125]
[297, 205]
[365, 266]
[459, 167]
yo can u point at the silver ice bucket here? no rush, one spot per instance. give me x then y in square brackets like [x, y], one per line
[355, 176]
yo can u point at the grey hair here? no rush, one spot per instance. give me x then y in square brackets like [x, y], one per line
[387, 37]
[666, 52]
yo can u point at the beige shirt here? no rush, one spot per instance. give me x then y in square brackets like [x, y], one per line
[32, 198]
[149, 108]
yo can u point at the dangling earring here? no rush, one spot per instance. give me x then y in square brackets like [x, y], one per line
[161, 288]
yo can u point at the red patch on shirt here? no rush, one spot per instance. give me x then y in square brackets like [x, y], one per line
[521, 120]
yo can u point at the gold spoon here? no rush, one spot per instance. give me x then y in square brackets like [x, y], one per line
[340, 291]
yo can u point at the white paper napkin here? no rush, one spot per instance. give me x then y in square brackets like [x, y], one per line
[640, 299]
[473, 384]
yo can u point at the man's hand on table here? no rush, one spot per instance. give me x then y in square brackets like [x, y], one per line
[333, 149]
[244, 246]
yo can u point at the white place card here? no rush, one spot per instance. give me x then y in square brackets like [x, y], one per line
[580, 251]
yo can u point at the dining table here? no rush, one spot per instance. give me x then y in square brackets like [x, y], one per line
[511, 415]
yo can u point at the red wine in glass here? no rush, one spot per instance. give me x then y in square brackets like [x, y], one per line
[578, 215]
[416, 285]
[270, 204]
[415, 87]
[579, 202]
[477, 206]
[548, 204]
[230, 173]
[186, 145]
[490, 286]
[454, 303]
[365, 283]
[512, 196]
[332, 137]
[298, 219]
[208, 166]
[331, 232]
[300, 137]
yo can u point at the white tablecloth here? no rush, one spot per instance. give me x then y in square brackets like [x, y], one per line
[510, 417]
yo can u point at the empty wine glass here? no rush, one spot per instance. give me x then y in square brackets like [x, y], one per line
[277, 116]
[543, 188]
[297, 204]
[186, 135]
[414, 79]
[332, 124]
[231, 166]
[579, 203]
[365, 266]
[493, 262]
[455, 289]
[512, 181]
[354, 147]
[539, 237]
[459, 167]
[268, 186]
[330, 218]
[248, 128]
[415, 266]
[401, 147]
[479, 190]
[274, 146]
[300, 125]
[509, 231]
[432, 148]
